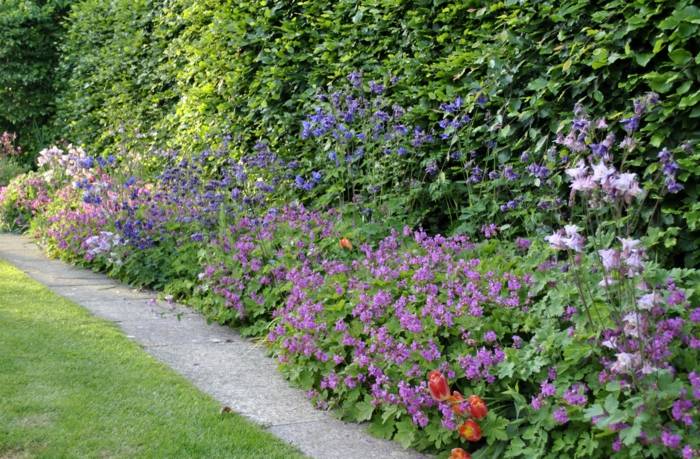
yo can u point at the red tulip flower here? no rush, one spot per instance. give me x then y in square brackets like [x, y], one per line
[470, 430]
[459, 453]
[345, 243]
[477, 407]
[437, 383]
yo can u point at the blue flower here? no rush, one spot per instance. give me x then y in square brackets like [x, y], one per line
[630, 124]
[355, 78]
[375, 87]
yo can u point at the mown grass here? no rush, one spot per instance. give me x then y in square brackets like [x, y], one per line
[72, 385]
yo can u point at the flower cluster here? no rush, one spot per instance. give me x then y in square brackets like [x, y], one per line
[7, 145]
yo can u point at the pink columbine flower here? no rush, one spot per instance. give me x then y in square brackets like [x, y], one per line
[573, 240]
[584, 183]
[629, 244]
[556, 240]
[580, 171]
[610, 259]
[626, 185]
[601, 172]
[648, 301]
[626, 362]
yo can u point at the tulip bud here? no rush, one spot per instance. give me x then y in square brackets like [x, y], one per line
[459, 453]
[477, 407]
[437, 383]
[345, 243]
[470, 430]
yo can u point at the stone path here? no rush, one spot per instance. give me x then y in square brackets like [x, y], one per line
[234, 370]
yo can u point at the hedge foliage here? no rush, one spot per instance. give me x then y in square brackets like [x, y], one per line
[29, 33]
[155, 73]
[174, 73]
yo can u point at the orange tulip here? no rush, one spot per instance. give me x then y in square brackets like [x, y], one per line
[345, 243]
[459, 453]
[470, 430]
[477, 407]
[437, 383]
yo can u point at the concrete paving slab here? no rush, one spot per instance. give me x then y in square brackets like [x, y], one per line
[315, 435]
[233, 370]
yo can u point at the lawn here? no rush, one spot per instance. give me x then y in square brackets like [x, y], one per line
[72, 385]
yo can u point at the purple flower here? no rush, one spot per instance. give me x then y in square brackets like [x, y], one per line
[510, 174]
[522, 243]
[670, 440]
[547, 389]
[517, 341]
[355, 79]
[431, 168]
[560, 415]
[376, 88]
[576, 395]
[538, 171]
[536, 403]
[630, 124]
[489, 230]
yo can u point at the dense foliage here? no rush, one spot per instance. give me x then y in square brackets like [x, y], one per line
[288, 167]
[180, 72]
[29, 33]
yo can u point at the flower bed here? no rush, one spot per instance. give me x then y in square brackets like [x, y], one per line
[566, 341]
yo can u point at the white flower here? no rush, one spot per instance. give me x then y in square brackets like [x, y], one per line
[648, 301]
[626, 362]
[579, 171]
[601, 172]
[556, 240]
[571, 230]
[629, 244]
[632, 322]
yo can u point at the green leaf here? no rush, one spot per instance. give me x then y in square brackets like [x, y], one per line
[643, 58]
[381, 429]
[405, 433]
[629, 435]
[680, 56]
[689, 14]
[593, 411]
[611, 403]
[600, 58]
[364, 411]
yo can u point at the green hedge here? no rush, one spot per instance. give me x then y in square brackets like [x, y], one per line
[149, 73]
[29, 33]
